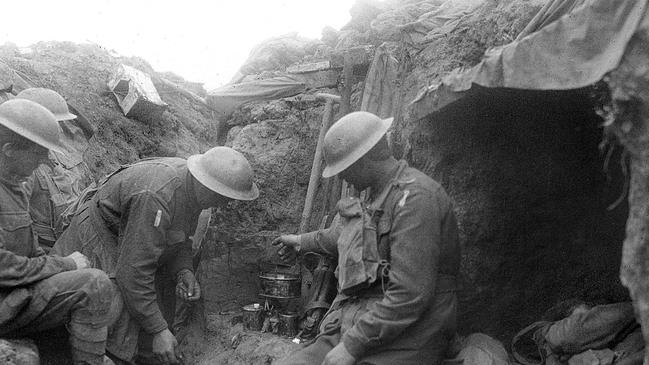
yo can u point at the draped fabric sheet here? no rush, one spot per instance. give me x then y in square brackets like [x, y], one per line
[573, 51]
[227, 98]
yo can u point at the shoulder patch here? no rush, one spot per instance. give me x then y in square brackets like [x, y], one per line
[158, 216]
[402, 202]
[405, 182]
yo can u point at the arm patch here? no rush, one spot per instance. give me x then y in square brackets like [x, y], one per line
[158, 216]
[402, 202]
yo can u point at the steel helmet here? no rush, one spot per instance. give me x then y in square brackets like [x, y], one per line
[50, 99]
[350, 138]
[31, 121]
[224, 171]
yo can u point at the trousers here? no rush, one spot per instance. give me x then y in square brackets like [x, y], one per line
[80, 300]
[417, 345]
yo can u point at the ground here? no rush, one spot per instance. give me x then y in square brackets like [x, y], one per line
[223, 340]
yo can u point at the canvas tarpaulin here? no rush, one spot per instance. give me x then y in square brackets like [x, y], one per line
[551, 11]
[574, 51]
[227, 98]
[380, 90]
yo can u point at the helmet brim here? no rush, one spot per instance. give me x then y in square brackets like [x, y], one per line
[64, 116]
[23, 132]
[360, 151]
[215, 185]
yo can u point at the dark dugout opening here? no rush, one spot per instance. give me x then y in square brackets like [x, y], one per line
[531, 191]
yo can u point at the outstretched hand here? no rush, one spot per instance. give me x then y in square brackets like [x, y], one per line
[187, 287]
[288, 246]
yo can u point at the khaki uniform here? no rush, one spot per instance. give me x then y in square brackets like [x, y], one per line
[137, 225]
[39, 292]
[409, 315]
[55, 186]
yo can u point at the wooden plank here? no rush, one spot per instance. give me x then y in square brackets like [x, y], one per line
[360, 55]
[309, 67]
[327, 119]
[319, 79]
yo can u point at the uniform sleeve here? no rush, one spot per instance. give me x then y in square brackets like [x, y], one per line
[143, 240]
[16, 270]
[323, 241]
[414, 257]
[181, 258]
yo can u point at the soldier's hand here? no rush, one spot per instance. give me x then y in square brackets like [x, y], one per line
[187, 287]
[164, 347]
[339, 356]
[80, 260]
[288, 246]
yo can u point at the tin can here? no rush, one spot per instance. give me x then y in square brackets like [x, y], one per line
[288, 324]
[253, 317]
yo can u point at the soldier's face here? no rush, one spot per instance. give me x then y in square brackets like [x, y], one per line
[356, 174]
[207, 198]
[21, 162]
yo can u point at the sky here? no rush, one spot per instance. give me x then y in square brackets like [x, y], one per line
[200, 40]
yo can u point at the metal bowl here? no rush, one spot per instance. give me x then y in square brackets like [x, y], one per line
[280, 285]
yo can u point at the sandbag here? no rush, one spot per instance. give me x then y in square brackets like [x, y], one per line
[594, 328]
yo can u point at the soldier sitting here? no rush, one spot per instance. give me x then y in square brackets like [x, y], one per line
[39, 292]
[398, 256]
[59, 182]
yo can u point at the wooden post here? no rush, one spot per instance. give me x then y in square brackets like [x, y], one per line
[317, 161]
[345, 103]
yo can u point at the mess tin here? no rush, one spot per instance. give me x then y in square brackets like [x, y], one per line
[280, 285]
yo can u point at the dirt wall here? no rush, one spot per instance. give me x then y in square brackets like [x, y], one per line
[79, 72]
[278, 138]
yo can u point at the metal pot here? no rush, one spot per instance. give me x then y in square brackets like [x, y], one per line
[280, 286]
[253, 317]
[288, 324]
